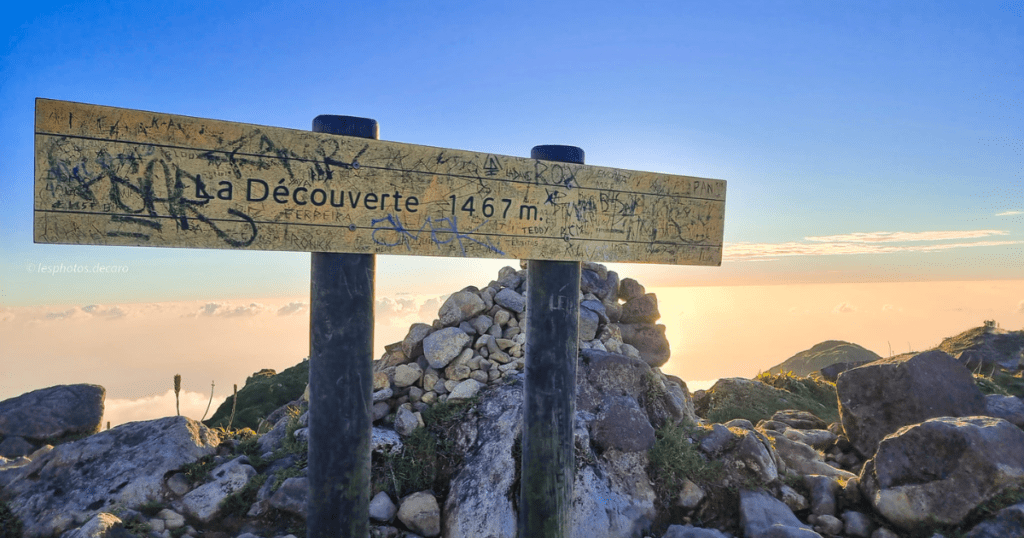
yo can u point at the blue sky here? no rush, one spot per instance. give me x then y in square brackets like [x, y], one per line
[849, 133]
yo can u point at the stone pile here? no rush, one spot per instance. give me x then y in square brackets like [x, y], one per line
[479, 339]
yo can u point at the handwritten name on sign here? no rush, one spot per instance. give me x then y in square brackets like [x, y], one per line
[111, 176]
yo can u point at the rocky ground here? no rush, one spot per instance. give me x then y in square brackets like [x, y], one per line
[914, 445]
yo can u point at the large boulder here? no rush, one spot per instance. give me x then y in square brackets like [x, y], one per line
[938, 471]
[460, 307]
[1007, 522]
[883, 396]
[53, 412]
[649, 340]
[444, 345]
[764, 516]
[125, 465]
[480, 499]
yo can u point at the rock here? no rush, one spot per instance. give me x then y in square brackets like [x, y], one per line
[481, 323]
[1008, 408]
[378, 397]
[829, 525]
[15, 446]
[442, 346]
[412, 344]
[643, 309]
[172, 520]
[589, 321]
[803, 458]
[937, 471]
[125, 465]
[857, 525]
[382, 509]
[179, 484]
[823, 494]
[421, 514]
[203, 503]
[502, 317]
[465, 390]
[820, 439]
[53, 412]
[751, 454]
[460, 307]
[792, 498]
[384, 441]
[612, 373]
[614, 497]
[763, 516]
[832, 371]
[623, 426]
[407, 375]
[292, 496]
[719, 438]
[479, 502]
[649, 340]
[801, 420]
[510, 299]
[592, 282]
[405, 422]
[883, 532]
[1007, 522]
[380, 410]
[883, 396]
[98, 526]
[380, 381]
[690, 496]
[630, 289]
[679, 531]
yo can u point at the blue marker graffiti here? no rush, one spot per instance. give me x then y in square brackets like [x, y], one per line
[438, 228]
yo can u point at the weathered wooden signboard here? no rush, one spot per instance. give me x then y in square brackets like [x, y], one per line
[112, 176]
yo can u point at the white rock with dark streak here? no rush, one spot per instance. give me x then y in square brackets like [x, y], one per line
[203, 503]
[124, 465]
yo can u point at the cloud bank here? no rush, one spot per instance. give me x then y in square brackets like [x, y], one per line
[862, 243]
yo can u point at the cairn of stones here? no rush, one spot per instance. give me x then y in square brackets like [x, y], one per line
[479, 338]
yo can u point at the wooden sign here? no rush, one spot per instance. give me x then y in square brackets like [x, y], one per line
[111, 176]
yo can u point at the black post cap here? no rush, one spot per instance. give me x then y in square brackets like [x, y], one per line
[346, 126]
[562, 154]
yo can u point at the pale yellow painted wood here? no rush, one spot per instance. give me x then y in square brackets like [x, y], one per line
[111, 176]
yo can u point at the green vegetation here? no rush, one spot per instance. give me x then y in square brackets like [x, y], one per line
[151, 508]
[824, 354]
[10, 525]
[429, 459]
[263, 392]
[675, 458]
[238, 503]
[199, 470]
[769, 393]
[1002, 383]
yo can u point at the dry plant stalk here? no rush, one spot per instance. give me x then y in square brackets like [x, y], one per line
[177, 390]
[234, 404]
[208, 403]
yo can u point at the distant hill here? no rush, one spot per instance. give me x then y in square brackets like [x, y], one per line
[824, 354]
[986, 345]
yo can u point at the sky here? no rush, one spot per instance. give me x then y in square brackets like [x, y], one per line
[873, 151]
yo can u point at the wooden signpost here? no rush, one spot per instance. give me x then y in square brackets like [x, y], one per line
[112, 176]
[109, 176]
